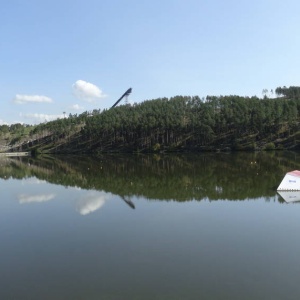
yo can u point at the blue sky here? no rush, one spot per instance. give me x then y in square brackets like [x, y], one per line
[72, 56]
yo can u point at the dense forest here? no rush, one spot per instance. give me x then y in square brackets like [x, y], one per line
[180, 123]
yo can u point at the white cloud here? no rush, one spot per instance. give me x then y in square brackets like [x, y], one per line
[22, 99]
[3, 123]
[38, 118]
[35, 198]
[87, 91]
[76, 107]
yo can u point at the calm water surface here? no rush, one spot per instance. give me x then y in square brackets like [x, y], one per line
[205, 226]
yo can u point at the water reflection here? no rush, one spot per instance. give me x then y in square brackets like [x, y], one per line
[129, 202]
[290, 196]
[235, 176]
[183, 241]
[91, 202]
[24, 198]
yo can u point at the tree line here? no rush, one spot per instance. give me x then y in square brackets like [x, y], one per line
[180, 123]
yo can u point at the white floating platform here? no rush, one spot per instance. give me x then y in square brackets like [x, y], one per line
[290, 182]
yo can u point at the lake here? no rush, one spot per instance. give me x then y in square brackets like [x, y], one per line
[206, 226]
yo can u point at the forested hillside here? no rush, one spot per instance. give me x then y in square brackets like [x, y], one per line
[180, 123]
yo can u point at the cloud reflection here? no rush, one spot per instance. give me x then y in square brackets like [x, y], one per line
[23, 198]
[90, 203]
[33, 180]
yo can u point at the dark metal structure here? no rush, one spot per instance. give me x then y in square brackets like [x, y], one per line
[127, 93]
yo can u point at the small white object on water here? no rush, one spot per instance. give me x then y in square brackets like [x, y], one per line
[290, 182]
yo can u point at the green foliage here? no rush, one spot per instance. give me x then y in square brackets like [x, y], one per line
[36, 151]
[291, 92]
[156, 147]
[15, 140]
[270, 146]
[280, 147]
[4, 129]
